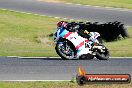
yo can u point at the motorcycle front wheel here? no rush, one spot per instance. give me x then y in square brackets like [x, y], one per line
[65, 50]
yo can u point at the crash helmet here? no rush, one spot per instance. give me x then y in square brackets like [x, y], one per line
[62, 24]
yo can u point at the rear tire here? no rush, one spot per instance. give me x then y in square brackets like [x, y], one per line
[102, 56]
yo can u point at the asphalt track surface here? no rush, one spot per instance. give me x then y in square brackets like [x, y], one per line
[57, 69]
[69, 11]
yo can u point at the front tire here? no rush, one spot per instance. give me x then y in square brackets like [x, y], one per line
[62, 53]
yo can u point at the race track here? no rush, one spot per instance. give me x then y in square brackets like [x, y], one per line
[57, 69]
[69, 11]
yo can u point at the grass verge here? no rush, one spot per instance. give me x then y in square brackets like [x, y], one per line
[26, 35]
[122, 48]
[29, 35]
[59, 85]
[104, 3]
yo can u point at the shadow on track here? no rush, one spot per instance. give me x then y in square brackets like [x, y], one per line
[45, 58]
[56, 58]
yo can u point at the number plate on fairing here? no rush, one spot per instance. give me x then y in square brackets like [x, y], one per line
[88, 44]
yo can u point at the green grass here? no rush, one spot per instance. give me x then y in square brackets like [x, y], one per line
[28, 35]
[108, 3]
[59, 85]
[122, 48]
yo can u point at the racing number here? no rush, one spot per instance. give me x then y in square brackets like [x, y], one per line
[88, 44]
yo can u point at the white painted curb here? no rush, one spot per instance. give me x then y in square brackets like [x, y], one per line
[50, 16]
[101, 7]
[39, 15]
[34, 80]
[57, 57]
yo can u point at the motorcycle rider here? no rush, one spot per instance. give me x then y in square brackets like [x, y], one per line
[76, 27]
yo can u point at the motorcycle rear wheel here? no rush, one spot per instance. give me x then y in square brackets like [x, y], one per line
[102, 56]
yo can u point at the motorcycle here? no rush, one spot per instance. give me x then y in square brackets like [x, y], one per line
[71, 45]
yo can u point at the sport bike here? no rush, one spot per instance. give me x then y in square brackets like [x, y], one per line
[72, 45]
